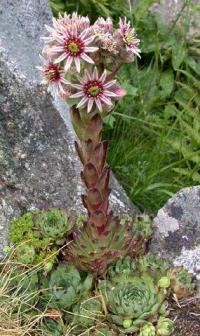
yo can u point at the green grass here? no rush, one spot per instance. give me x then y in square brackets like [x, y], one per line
[154, 132]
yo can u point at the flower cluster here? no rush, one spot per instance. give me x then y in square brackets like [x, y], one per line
[79, 61]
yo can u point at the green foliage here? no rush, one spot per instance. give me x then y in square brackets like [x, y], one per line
[154, 142]
[53, 327]
[153, 265]
[25, 254]
[87, 313]
[64, 287]
[165, 327]
[148, 330]
[90, 253]
[36, 236]
[92, 8]
[53, 224]
[127, 268]
[181, 282]
[155, 139]
[131, 304]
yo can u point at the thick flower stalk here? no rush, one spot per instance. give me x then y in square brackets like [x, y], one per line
[79, 63]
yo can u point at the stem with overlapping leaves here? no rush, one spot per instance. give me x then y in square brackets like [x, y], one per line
[92, 152]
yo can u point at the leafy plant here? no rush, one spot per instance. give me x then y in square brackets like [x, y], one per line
[127, 268]
[54, 224]
[65, 287]
[181, 282]
[148, 330]
[123, 236]
[92, 8]
[52, 327]
[131, 304]
[36, 236]
[165, 327]
[87, 314]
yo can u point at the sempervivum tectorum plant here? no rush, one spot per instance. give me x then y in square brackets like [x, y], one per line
[53, 224]
[132, 304]
[76, 66]
[181, 282]
[64, 287]
[126, 269]
[86, 314]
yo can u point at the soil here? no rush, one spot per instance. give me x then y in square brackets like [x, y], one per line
[186, 314]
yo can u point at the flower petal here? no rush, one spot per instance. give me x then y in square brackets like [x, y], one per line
[109, 93]
[82, 102]
[60, 58]
[103, 76]
[57, 49]
[95, 75]
[99, 105]
[106, 100]
[77, 95]
[77, 63]
[90, 104]
[68, 63]
[86, 58]
[77, 86]
[89, 40]
[84, 33]
[109, 84]
[91, 49]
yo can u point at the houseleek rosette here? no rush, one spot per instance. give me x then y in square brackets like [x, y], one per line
[86, 314]
[165, 327]
[130, 305]
[181, 282]
[127, 268]
[53, 223]
[65, 287]
[148, 330]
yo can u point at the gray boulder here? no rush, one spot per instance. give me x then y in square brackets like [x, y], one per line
[177, 230]
[38, 165]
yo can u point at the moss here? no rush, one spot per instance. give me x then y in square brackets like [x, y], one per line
[22, 229]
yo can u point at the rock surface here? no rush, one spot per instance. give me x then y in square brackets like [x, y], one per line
[177, 230]
[38, 165]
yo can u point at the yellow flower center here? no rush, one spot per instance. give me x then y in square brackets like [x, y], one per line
[73, 48]
[94, 91]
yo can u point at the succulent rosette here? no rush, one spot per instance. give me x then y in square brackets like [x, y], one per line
[165, 327]
[86, 314]
[123, 270]
[127, 268]
[131, 305]
[54, 224]
[148, 330]
[65, 287]
[95, 248]
[181, 282]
